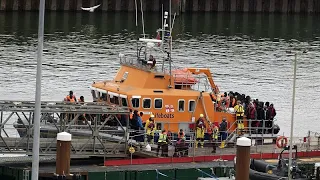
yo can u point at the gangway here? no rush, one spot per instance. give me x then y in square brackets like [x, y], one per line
[96, 128]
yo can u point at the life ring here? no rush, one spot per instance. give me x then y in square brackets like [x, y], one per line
[279, 141]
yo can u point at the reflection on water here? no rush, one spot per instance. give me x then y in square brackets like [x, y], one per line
[248, 53]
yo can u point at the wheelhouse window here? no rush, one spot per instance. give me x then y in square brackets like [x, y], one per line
[94, 95]
[98, 95]
[146, 103]
[158, 103]
[111, 98]
[124, 102]
[192, 105]
[103, 96]
[116, 100]
[181, 105]
[135, 102]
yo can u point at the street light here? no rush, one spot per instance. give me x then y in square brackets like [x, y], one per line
[37, 111]
[292, 114]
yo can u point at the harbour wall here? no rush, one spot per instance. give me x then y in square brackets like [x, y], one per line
[268, 6]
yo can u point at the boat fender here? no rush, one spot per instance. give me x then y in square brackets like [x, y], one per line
[279, 141]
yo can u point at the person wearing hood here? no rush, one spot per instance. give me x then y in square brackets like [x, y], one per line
[223, 127]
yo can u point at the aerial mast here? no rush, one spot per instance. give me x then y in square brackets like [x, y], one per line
[170, 46]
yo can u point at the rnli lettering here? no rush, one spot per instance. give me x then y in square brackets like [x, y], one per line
[161, 115]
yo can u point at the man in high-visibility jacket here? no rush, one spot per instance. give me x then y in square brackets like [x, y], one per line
[215, 135]
[150, 126]
[163, 144]
[200, 124]
[239, 110]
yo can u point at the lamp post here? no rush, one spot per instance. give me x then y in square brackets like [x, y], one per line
[37, 111]
[292, 115]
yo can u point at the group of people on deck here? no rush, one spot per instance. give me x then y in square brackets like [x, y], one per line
[148, 132]
[260, 115]
[214, 130]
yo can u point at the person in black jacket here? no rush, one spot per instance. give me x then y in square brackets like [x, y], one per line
[223, 127]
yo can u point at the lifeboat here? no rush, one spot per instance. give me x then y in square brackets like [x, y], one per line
[183, 76]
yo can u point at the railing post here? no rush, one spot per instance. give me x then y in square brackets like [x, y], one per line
[243, 158]
[63, 153]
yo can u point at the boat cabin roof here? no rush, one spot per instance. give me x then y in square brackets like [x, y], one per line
[131, 90]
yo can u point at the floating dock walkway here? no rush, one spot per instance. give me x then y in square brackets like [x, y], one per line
[88, 124]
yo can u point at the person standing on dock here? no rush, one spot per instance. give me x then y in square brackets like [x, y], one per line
[163, 144]
[200, 131]
[223, 131]
[150, 129]
[215, 135]
[239, 113]
[71, 97]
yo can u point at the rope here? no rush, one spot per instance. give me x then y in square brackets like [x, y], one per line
[159, 173]
[207, 174]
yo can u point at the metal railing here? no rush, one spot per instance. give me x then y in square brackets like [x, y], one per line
[92, 135]
[190, 150]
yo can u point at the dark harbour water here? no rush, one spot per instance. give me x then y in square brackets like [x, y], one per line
[248, 53]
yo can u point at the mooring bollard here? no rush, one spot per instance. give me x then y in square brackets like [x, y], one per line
[63, 154]
[243, 158]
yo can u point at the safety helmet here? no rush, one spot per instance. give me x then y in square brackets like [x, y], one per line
[201, 115]
[152, 116]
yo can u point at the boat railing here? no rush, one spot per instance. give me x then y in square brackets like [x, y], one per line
[187, 147]
[139, 63]
[192, 82]
[262, 129]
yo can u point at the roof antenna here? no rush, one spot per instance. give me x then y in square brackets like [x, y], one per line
[170, 44]
[136, 6]
[144, 35]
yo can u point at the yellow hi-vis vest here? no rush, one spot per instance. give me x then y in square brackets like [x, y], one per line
[239, 110]
[215, 133]
[162, 138]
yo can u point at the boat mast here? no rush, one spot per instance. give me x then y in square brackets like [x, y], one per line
[37, 111]
[136, 6]
[141, 7]
[170, 44]
[162, 38]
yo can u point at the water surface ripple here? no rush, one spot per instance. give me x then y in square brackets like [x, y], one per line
[251, 54]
